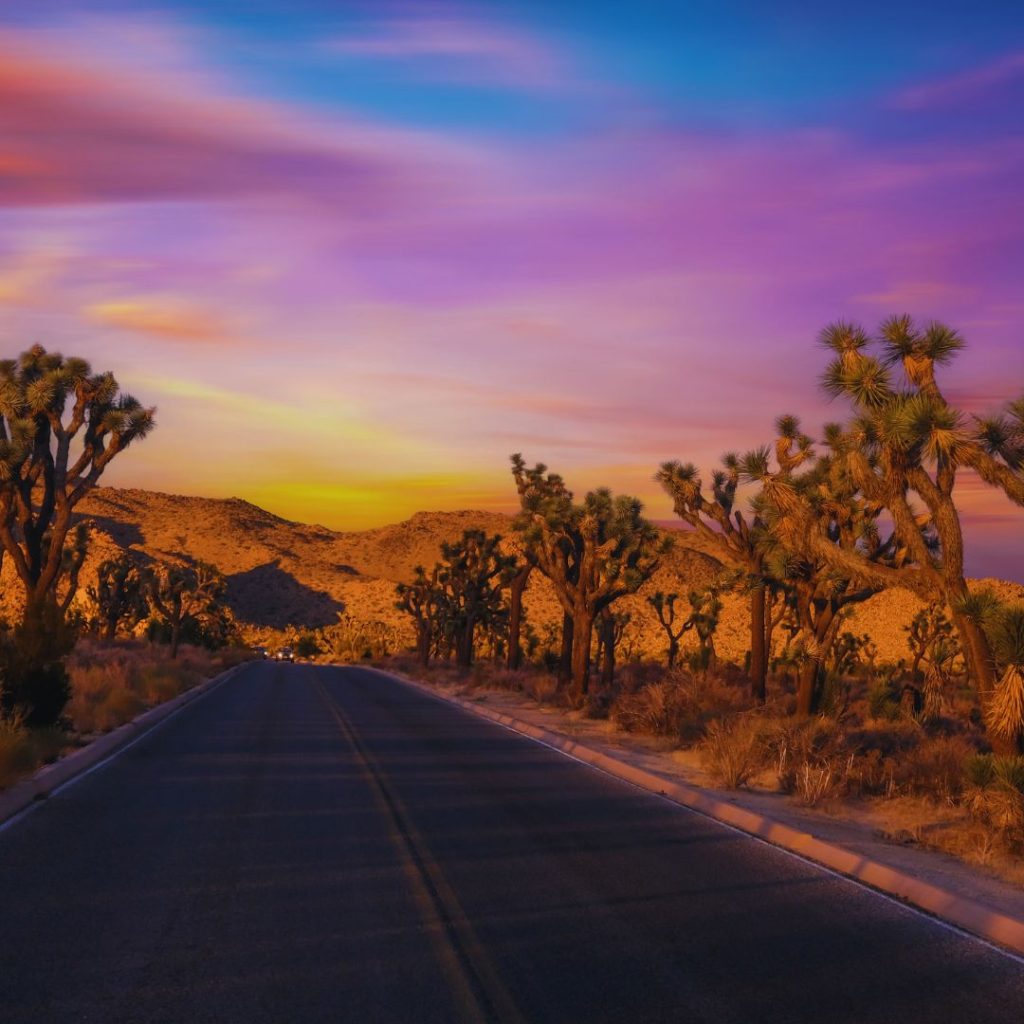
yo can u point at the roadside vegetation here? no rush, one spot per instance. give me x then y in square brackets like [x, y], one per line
[65, 674]
[806, 529]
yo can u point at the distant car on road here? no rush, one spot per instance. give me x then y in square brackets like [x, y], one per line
[260, 652]
[286, 654]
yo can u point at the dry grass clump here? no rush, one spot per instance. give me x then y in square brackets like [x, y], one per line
[934, 768]
[23, 750]
[733, 751]
[807, 757]
[17, 756]
[679, 705]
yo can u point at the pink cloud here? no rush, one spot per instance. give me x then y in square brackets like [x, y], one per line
[75, 132]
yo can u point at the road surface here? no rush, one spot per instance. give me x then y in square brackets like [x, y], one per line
[315, 844]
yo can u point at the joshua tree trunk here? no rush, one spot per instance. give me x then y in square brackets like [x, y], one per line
[807, 688]
[582, 634]
[515, 615]
[607, 650]
[175, 636]
[758, 652]
[424, 640]
[565, 675]
[464, 646]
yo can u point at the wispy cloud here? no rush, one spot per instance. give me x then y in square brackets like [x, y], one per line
[165, 317]
[454, 47]
[965, 85]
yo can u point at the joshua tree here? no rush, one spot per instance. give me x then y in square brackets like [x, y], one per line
[594, 552]
[473, 572]
[537, 486]
[929, 627]
[907, 444]
[423, 599]
[664, 606]
[734, 538]
[183, 592]
[705, 609]
[60, 427]
[119, 594]
[811, 507]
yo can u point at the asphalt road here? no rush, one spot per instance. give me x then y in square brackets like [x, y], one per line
[310, 844]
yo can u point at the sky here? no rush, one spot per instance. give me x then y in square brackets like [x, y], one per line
[358, 253]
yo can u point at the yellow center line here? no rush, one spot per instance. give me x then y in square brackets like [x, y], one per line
[479, 990]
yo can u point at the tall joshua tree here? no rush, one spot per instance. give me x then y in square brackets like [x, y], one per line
[423, 599]
[664, 606]
[594, 552]
[119, 594]
[734, 537]
[61, 425]
[811, 507]
[183, 592]
[537, 486]
[906, 445]
[473, 572]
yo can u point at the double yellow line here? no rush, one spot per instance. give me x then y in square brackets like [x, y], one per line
[479, 992]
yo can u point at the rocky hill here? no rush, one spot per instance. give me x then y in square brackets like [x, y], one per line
[284, 574]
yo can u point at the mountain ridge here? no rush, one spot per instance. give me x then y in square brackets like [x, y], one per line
[282, 573]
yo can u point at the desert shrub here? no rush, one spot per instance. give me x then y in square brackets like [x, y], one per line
[890, 739]
[113, 682]
[34, 683]
[307, 646]
[733, 751]
[790, 743]
[116, 708]
[870, 774]
[680, 705]
[934, 767]
[157, 683]
[17, 756]
[995, 795]
[661, 709]
[541, 686]
[636, 674]
[91, 685]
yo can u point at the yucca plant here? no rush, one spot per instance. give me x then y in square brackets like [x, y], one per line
[1004, 714]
